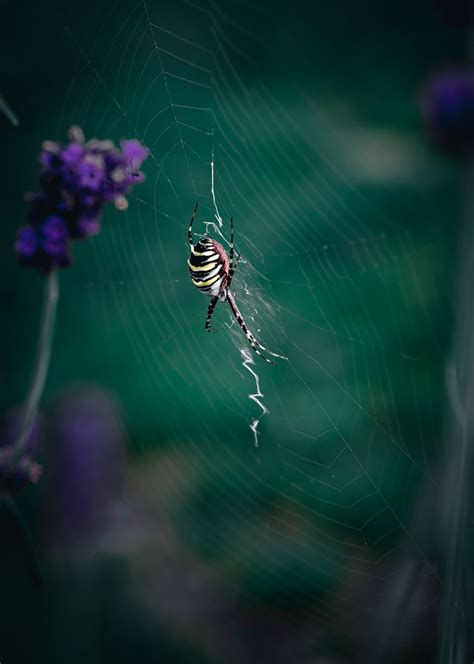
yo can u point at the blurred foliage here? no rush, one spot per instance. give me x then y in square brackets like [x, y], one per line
[349, 225]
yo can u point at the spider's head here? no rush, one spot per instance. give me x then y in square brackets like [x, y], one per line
[203, 244]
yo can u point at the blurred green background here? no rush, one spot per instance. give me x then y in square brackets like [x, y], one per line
[346, 220]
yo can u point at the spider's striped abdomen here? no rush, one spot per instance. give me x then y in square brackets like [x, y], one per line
[209, 267]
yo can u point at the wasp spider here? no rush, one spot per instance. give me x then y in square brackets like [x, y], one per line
[211, 271]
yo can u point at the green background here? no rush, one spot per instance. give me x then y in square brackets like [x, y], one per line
[347, 221]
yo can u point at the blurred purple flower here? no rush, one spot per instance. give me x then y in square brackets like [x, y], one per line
[76, 181]
[72, 153]
[54, 236]
[448, 109]
[16, 475]
[27, 241]
[134, 153]
[85, 467]
[91, 172]
[45, 245]
[50, 155]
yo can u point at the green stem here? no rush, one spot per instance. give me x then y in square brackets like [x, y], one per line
[40, 371]
[30, 410]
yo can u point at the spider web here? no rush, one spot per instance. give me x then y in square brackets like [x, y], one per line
[347, 427]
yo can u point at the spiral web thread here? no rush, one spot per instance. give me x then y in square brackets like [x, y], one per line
[319, 261]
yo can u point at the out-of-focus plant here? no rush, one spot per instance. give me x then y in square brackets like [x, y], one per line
[448, 110]
[76, 181]
[84, 470]
[448, 107]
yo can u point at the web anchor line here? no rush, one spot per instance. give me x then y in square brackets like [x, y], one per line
[213, 192]
[337, 404]
[258, 396]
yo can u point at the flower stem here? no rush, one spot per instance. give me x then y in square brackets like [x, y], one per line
[40, 370]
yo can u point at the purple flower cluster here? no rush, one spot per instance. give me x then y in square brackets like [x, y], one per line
[76, 181]
[448, 108]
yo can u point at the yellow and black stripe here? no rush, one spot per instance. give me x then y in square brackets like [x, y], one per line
[206, 267]
[212, 271]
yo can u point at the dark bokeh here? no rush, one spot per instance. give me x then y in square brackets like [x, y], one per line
[196, 545]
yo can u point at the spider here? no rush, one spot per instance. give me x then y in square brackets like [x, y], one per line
[211, 271]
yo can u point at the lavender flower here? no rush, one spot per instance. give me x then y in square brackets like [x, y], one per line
[448, 109]
[26, 470]
[85, 467]
[27, 242]
[76, 181]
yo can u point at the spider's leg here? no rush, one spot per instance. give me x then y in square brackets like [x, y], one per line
[231, 272]
[232, 265]
[190, 231]
[210, 311]
[231, 244]
[250, 338]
